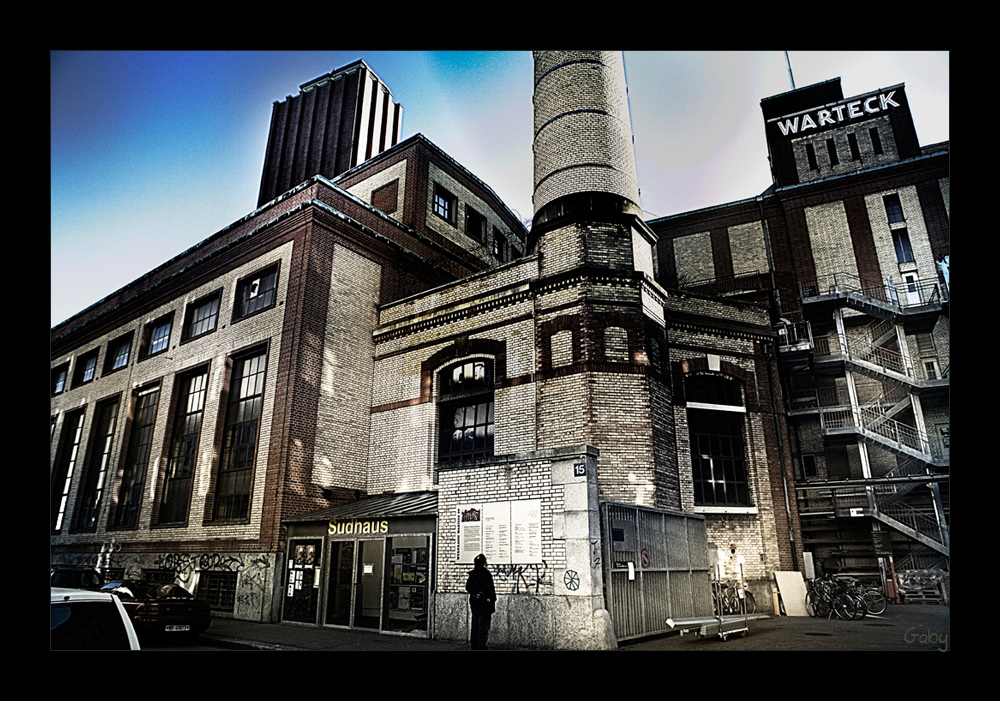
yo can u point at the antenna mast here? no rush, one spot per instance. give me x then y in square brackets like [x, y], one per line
[790, 76]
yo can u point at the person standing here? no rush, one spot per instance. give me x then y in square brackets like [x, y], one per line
[482, 601]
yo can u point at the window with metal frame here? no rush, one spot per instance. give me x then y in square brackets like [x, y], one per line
[256, 292]
[62, 474]
[118, 353]
[218, 589]
[466, 410]
[234, 485]
[103, 436]
[716, 418]
[125, 513]
[202, 316]
[183, 455]
[444, 204]
[901, 242]
[86, 368]
[156, 336]
[59, 375]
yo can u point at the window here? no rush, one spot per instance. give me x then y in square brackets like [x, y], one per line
[831, 150]
[444, 204]
[86, 513]
[62, 473]
[715, 429]
[256, 292]
[218, 589]
[156, 335]
[86, 368]
[202, 316]
[901, 241]
[118, 353]
[809, 466]
[893, 209]
[239, 443]
[466, 410]
[852, 143]
[59, 375]
[811, 156]
[183, 447]
[876, 141]
[475, 224]
[140, 442]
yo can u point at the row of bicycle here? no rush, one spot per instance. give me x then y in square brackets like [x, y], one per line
[844, 597]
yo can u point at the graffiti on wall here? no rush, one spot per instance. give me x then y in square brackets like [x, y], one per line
[522, 579]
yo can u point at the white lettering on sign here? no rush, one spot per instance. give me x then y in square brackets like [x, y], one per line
[836, 113]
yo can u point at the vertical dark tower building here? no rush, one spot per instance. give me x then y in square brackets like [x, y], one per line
[336, 121]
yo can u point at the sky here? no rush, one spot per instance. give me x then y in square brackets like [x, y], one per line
[152, 152]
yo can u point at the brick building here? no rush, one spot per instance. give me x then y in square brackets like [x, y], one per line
[323, 412]
[850, 248]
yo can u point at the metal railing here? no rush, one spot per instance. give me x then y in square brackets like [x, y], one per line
[900, 294]
[873, 422]
[754, 281]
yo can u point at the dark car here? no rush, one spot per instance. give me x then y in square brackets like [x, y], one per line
[71, 577]
[158, 609]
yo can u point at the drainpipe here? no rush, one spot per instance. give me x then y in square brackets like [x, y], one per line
[770, 353]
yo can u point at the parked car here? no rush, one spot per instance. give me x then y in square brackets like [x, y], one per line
[158, 609]
[89, 620]
[70, 577]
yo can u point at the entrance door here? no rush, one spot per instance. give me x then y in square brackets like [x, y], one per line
[912, 289]
[302, 587]
[340, 583]
[370, 575]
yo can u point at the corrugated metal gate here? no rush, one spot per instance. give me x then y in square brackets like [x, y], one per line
[656, 567]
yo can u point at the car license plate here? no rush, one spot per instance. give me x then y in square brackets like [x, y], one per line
[178, 629]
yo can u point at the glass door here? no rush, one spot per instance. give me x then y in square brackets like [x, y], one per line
[368, 584]
[340, 583]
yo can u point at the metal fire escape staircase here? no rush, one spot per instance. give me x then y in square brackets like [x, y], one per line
[873, 419]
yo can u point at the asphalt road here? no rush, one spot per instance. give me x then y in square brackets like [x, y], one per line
[900, 628]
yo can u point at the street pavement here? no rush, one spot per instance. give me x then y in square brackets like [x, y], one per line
[900, 628]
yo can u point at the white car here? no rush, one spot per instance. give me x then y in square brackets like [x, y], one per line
[89, 620]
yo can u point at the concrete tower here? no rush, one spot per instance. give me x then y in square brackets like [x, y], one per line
[336, 121]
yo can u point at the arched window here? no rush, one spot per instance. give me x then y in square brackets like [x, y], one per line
[716, 417]
[466, 410]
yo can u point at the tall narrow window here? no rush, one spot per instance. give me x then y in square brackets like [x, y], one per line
[831, 150]
[62, 474]
[715, 429]
[811, 157]
[466, 410]
[140, 442]
[876, 141]
[893, 209]
[901, 242]
[86, 513]
[239, 444]
[183, 447]
[852, 144]
[59, 376]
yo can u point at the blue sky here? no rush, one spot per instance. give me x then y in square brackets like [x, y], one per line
[152, 152]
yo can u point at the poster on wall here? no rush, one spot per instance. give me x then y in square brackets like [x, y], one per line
[507, 532]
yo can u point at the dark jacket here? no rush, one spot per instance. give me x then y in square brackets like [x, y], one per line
[482, 594]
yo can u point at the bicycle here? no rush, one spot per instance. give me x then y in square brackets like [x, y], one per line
[731, 600]
[828, 596]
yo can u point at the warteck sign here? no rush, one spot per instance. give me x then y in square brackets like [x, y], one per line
[836, 114]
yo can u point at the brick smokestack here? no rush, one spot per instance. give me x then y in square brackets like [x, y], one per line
[583, 153]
